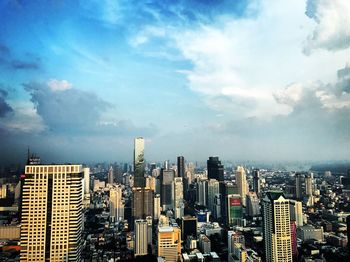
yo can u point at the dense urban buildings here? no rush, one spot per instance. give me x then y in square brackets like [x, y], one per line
[73, 212]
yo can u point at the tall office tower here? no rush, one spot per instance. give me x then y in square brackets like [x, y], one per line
[299, 186]
[116, 209]
[166, 165]
[167, 192]
[309, 184]
[151, 182]
[242, 185]
[202, 189]
[169, 243]
[226, 188]
[296, 212]
[213, 189]
[215, 168]
[142, 203]
[235, 209]
[256, 181]
[181, 166]
[189, 227]
[277, 231]
[217, 206]
[141, 244]
[252, 206]
[149, 230]
[178, 197]
[86, 180]
[52, 213]
[157, 206]
[110, 175]
[139, 162]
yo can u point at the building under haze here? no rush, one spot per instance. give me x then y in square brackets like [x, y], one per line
[139, 162]
[242, 184]
[52, 213]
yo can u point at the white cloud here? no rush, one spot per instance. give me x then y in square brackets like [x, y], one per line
[59, 85]
[242, 66]
[332, 30]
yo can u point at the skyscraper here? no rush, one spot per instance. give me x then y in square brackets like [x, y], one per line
[202, 189]
[181, 166]
[110, 176]
[169, 243]
[141, 243]
[309, 184]
[142, 203]
[215, 168]
[157, 206]
[296, 212]
[277, 230]
[213, 189]
[256, 181]
[167, 192]
[242, 185]
[189, 227]
[116, 208]
[139, 162]
[52, 213]
[234, 209]
[86, 180]
[299, 186]
[178, 197]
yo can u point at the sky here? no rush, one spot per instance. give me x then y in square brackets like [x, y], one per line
[260, 80]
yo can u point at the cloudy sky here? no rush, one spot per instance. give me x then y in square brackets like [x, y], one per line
[245, 80]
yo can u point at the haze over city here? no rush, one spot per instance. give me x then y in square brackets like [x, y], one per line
[245, 80]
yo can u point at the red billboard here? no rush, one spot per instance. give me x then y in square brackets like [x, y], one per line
[235, 201]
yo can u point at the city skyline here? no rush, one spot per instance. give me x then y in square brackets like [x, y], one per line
[242, 80]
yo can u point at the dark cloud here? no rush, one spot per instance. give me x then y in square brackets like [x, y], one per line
[5, 108]
[9, 61]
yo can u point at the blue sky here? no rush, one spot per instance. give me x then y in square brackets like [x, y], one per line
[245, 80]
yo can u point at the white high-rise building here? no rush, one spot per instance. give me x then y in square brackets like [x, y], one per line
[277, 229]
[116, 209]
[157, 207]
[213, 189]
[141, 241]
[296, 212]
[241, 182]
[52, 213]
[86, 180]
[178, 197]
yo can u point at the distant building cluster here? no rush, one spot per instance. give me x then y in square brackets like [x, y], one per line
[180, 211]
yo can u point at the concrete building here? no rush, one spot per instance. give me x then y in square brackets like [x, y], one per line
[141, 243]
[296, 212]
[142, 203]
[252, 205]
[310, 232]
[169, 243]
[201, 193]
[157, 207]
[277, 231]
[242, 184]
[178, 197]
[116, 208]
[52, 213]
